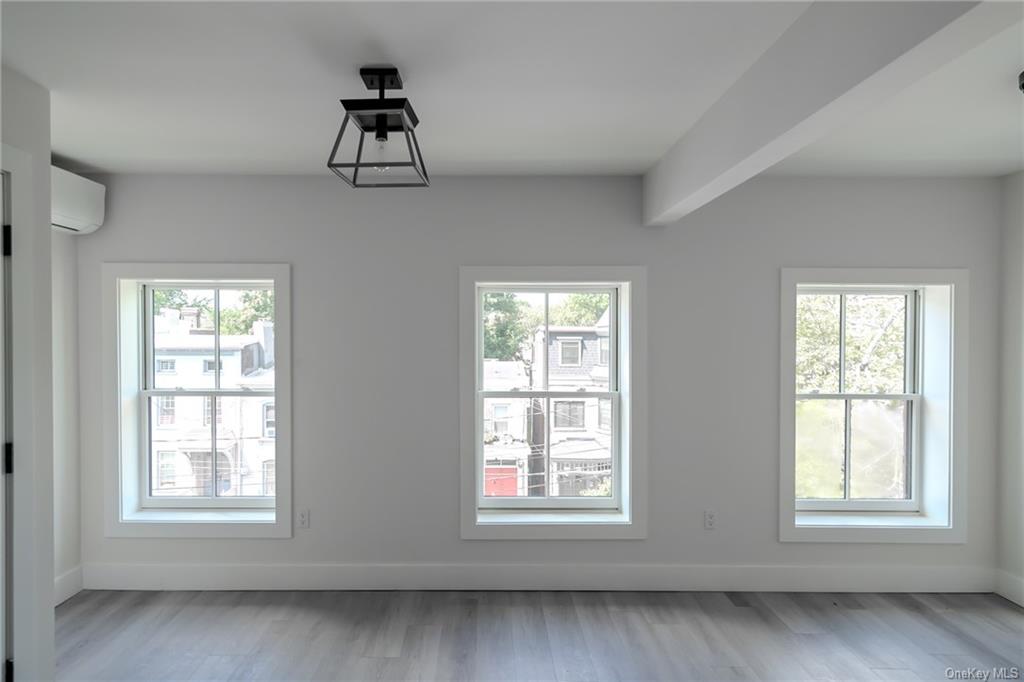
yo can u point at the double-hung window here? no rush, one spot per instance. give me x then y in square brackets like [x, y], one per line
[200, 377]
[534, 400]
[210, 413]
[857, 398]
[552, 399]
[873, 405]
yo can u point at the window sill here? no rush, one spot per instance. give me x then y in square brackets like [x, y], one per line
[552, 525]
[882, 527]
[201, 523]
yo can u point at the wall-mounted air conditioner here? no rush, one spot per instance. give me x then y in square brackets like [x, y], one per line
[76, 203]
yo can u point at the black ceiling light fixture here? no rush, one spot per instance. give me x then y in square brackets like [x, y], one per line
[391, 157]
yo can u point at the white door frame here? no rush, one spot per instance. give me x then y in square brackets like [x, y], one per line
[31, 362]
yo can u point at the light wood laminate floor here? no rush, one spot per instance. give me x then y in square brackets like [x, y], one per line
[533, 636]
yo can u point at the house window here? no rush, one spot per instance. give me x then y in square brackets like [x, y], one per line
[570, 352]
[165, 410]
[500, 418]
[537, 447]
[204, 410]
[569, 414]
[269, 421]
[857, 403]
[207, 411]
[166, 475]
[873, 375]
[208, 403]
[604, 348]
[269, 472]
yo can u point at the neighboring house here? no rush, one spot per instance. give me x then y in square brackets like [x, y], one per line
[184, 355]
[575, 359]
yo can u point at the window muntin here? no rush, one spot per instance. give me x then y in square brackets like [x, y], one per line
[529, 386]
[220, 340]
[857, 398]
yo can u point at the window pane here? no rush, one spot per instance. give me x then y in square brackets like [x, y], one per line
[513, 433]
[875, 343]
[578, 322]
[247, 338]
[513, 336]
[820, 457]
[243, 445]
[581, 455]
[878, 449]
[179, 448]
[817, 343]
[183, 341]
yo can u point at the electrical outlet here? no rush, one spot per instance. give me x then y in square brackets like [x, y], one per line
[709, 519]
[304, 519]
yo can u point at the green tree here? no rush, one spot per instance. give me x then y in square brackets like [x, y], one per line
[581, 309]
[509, 325]
[256, 305]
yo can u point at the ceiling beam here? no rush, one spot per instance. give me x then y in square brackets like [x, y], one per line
[832, 64]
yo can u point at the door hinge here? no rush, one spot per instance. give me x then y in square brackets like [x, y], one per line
[8, 458]
[7, 240]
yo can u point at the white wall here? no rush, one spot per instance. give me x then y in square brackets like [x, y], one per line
[375, 370]
[66, 485]
[1011, 460]
[26, 128]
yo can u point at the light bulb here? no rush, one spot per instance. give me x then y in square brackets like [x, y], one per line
[381, 144]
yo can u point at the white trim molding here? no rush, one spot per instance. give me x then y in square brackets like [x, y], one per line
[845, 577]
[624, 516]
[124, 513]
[67, 585]
[1010, 586]
[940, 511]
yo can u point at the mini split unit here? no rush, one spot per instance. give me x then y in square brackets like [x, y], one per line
[76, 203]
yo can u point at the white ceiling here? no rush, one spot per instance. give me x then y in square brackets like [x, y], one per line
[966, 118]
[499, 87]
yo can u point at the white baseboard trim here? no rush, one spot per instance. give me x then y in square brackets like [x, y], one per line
[664, 577]
[67, 585]
[1010, 586]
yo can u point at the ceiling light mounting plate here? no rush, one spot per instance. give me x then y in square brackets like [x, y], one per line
[376, 76]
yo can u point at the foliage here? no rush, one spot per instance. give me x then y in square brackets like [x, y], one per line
[580, 309]
[509, 324]
[603, 489]
[256, 305]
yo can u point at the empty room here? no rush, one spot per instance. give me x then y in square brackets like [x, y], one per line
[512, 340]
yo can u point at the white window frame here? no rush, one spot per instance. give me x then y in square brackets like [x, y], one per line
[570, 341]
[911, 395]
[622, 516]
[128, 512]
[939, 480]
[209, 395]
[173, 367]
[603, 351]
